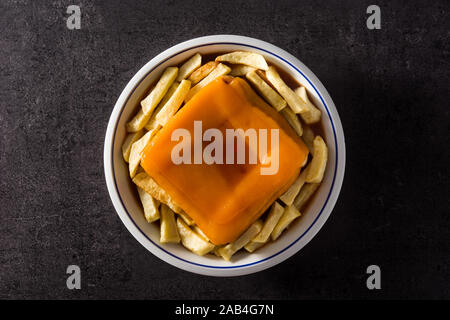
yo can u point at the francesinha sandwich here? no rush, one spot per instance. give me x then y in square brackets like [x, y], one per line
[224, 153]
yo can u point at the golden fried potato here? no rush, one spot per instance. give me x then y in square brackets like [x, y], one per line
[151, 124]
[183, 215]
[202, 72]
[169, 230]
[136, 149]
[162, 86]
[129, 140]
[150, 205]
[227, 251]
[139, 170]
[189, 66]
[144, 181]
[174, 103]
[293, 120]
[240, 70]
[293, 100]
[305, 194]
[290, 213]
[276, 211]
[308, 138]
[138, 122]
[216, 252]
[316, 168]
[150, 102]
[251, 59]
[220, 70]
[262, 75]
[200, 233]
[271, 96]
[192, 240]
[252, 246]
[289, 196]
[313, 114]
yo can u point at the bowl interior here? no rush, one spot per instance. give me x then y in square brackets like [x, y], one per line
[128, 194]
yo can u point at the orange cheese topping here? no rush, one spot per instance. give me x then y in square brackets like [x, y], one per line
[224, 199]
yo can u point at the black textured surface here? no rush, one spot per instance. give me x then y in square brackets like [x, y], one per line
[58, 87]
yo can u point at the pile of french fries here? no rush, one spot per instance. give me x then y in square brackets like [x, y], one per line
[175, 87]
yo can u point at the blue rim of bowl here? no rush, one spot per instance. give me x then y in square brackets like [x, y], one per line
[321, 210]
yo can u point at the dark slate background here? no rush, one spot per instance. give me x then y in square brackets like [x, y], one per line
[58, 87]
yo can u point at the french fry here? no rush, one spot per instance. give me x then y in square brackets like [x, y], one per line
[240, 70]
[293, 100]
[266, 91]
[251, 59]
[186, 218]
[202, 72]
[200, 232]
[252, 246]
[139, 170]
[272, 219]
[150, 102]
[216, 251]
[136, 149]
[262, 75]
[129, 140]
[220, 70]
[316, 168]
[293, 120]
[150, 205]
[289, 196]
[189, 66]
[289, 215]
[169, 230]
[174, 103]
[308, 138]
[166, 98]
[151, 124]
[313, 114]
[138, 122]
[305, 194]
[144, 181]
[192, 240]
[158, 92]
[227, 251]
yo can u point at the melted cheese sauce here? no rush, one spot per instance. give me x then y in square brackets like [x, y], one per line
[224, 199]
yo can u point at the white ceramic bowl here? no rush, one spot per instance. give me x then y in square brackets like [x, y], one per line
[123, 193]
